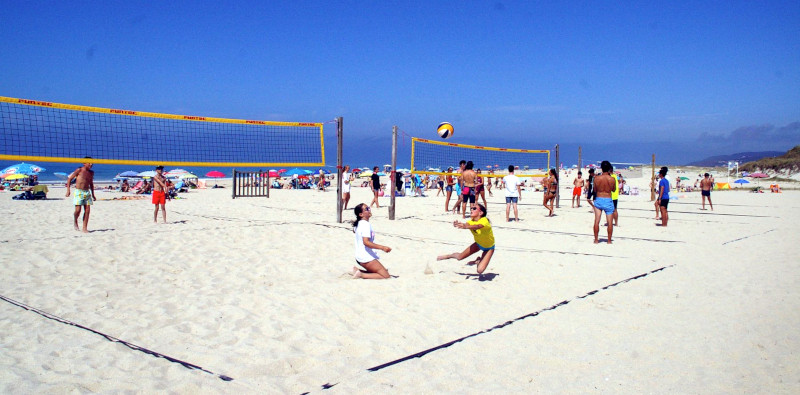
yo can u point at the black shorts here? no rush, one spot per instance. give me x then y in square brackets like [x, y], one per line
[615, 204]
[706, 193]
[664, 203]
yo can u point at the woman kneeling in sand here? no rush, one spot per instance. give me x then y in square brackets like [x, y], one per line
[481, 230]
[365, 246]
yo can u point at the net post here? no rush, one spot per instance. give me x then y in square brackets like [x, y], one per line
[233, 187]
[339, 181]
[580, 161]
[393, 174]
[652, 178]
[558, 172]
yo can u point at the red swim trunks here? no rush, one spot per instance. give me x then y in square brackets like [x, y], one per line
[576, 191]
[159, 197]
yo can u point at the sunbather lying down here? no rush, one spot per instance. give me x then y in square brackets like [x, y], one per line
[127, 198]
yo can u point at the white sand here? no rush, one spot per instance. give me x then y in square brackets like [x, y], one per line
[256, 289]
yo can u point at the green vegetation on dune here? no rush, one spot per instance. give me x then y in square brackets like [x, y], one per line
[789, 161]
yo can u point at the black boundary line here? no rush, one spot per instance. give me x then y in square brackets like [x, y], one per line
[499, 326]
[404, 237]
[714, 213]
[113, 339]
[554, 232]
[747, 237]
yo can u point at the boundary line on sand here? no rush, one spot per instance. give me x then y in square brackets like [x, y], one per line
[113, 339]
[747, 237]
[499, 326]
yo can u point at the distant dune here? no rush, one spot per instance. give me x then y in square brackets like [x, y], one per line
[741, 157]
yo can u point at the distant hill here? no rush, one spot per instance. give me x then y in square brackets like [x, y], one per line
[741, 157]
[789, 162]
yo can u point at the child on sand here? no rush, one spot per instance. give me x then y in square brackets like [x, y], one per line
[365, 246]
[481, 230]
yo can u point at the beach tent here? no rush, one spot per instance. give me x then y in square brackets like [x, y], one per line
[722, 185]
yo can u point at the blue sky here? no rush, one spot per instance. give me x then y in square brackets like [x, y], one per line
[519, 73]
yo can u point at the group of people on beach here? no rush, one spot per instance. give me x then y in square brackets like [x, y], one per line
[83, 198]
[602, 193]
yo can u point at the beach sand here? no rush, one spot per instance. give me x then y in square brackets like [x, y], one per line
[258, 290]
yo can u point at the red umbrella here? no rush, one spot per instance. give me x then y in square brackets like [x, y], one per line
[215, 174]
[759, 175]
[273, 173]
[282, 171]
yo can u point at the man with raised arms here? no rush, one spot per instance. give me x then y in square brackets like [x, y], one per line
[84, 193]
[604, 185]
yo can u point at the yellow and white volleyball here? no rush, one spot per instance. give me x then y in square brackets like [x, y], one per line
[445, 130]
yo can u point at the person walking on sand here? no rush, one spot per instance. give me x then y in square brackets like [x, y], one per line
[459, 185]
[84, 193]
[705, 190]
[604, 185]
[615, 197]
[480, 189]
[551, 191]
[468, 187]
[663, 195]
[481, 229]
[451, 183]
[590, 192]
[513, 193]
[577, 186]
[365, 246]
[375, 184]
[159, 194]
[346, 178]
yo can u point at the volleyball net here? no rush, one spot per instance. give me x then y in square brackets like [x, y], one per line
[52, 132]
[435, 157]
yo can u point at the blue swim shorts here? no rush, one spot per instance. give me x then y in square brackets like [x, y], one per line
[604, 204]
[511, 200]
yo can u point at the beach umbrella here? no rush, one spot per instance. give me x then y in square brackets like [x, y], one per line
[295, 171]
[147, 174]
[22, 168]
[215, 174]
[282, 171]
[273, 173]
[61, 175]
[175, 173]
[323, 171]
[684, 178]
[187, 175]
[365, 174]
[16, 176]
[741, 181]
[759, 175]
[129, 173]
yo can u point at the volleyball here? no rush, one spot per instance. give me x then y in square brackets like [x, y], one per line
[445, 130]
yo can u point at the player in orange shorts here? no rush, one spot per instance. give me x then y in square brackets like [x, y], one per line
[578, 184]
[160, 193]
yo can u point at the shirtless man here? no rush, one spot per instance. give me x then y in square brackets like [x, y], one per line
[706, 184]
[84, 193]
[604, 185]
[160, 194]
[578, 185]
[468, 177]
